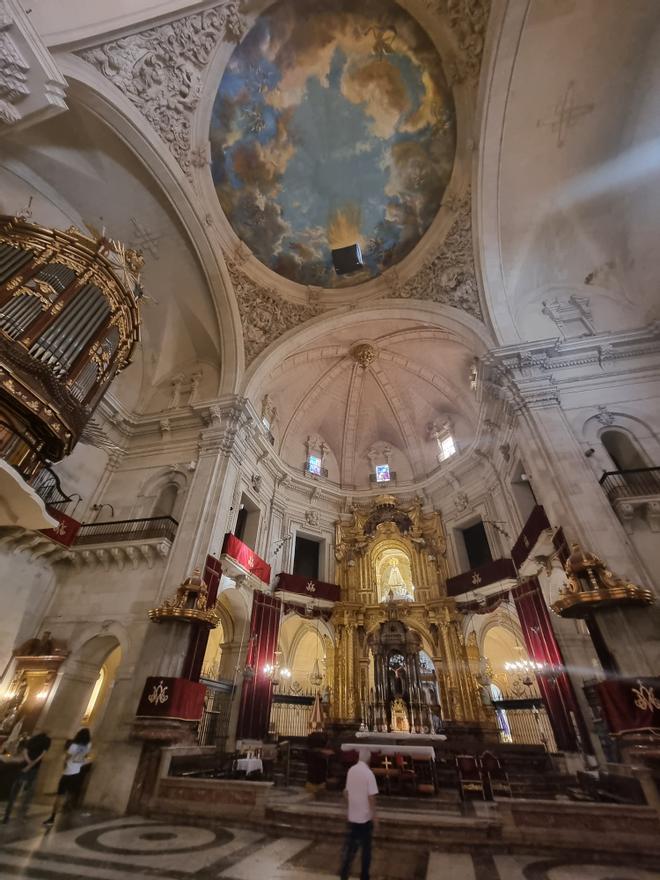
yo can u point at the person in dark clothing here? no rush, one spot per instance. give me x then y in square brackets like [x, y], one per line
[77, 756]
[31, 756]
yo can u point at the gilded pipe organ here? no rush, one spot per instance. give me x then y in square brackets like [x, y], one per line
[68, 324]
[392, 568]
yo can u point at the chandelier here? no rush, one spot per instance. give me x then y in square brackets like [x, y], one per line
[524, 666]
[275, 670]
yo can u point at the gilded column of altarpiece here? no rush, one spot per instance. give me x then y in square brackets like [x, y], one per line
[391, 564]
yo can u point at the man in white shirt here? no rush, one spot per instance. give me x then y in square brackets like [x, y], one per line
[361, 790]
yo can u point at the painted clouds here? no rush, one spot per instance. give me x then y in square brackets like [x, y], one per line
[331, 127]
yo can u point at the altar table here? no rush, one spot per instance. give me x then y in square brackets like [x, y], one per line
[250, 765]
[420, 752]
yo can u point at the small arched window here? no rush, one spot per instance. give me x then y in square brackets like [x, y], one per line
[623, 450]
[166, 502]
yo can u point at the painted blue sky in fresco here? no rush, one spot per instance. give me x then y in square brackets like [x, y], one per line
[329, 128]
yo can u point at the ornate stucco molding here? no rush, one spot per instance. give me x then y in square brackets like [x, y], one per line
[265, 316]
[160, 70]
[468, 20]
[31, 86]
[449, 277]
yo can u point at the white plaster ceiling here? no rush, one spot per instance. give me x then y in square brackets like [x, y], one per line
[570, 164]
[79, 172]
[420, 374]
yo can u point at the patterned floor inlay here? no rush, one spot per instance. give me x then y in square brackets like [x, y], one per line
[137, 849]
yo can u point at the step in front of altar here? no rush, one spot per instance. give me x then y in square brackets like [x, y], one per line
[408, 825]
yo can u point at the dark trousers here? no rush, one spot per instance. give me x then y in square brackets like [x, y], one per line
[23, 784]
[359, 835]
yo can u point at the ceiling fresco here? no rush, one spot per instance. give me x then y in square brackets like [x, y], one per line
[331, 127]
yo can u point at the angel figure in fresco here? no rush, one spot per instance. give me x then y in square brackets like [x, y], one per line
[384, 38]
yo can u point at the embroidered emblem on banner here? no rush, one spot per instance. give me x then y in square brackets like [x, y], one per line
[250, 562]
[159, 694]
[645, 697]
[476, 578]
[311, 587]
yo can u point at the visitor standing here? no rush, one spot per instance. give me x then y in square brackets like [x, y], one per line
[361, 790]
[30, 759]
[77, 755]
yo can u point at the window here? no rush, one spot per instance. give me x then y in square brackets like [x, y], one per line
[247, 522]
[306, 557]
[623, 451]
[447, 447]
[476, 545]
[314, 465]
[383, 473]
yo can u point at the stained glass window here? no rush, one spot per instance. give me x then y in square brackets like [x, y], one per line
[314, 465]
[382, 473]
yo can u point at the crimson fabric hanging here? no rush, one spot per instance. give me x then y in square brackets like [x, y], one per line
[199, 634]
[554, 684]
[257, 692]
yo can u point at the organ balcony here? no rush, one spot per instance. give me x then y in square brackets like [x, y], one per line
[69, 322]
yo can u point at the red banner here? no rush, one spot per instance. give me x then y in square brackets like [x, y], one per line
[631, 704]
[554, 684]
[175, 698]
[246, 557]
[257, 691]
[199, 634]
[296, 583]
[67, 530]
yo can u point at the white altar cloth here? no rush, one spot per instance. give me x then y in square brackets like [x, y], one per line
[250, 765]
[408, 737]
[410, 751]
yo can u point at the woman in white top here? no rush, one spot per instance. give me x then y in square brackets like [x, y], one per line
[77, 755]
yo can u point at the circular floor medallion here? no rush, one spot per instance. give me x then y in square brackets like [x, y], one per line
[147, 839]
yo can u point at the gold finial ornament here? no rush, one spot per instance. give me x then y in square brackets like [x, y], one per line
[364, 354]
[189, 604]
[591, 585]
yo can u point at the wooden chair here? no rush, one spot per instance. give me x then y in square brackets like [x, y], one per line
[426, 781]
[494, 775]
[385, 771]
[407, 774]
[469, 776]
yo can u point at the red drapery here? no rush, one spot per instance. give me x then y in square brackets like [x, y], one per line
[199, 634]
[554, 684]
[257, 691]
[246, 557]
[175, 698]
[67, 530]
[296, 583]
[631, 704]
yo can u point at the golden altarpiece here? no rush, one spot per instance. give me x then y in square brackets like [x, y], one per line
[394, 610]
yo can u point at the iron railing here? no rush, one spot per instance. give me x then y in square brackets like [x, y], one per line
[631, 483]
[127, 530]
[214, 723]
[290, 714]
[527, 725]
[23, 455]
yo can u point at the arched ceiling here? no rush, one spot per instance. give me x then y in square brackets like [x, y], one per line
[407, 375]
[78, 171]
[570, 167]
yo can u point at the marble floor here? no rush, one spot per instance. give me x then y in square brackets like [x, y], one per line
[135, 848]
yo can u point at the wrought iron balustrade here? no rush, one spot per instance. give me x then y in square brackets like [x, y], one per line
[25, 456]
[632, 483]
[127, 530]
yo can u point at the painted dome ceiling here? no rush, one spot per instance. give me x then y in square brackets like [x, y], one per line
[332, 126]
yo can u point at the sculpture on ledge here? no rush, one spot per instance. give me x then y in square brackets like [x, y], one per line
[591, 585]
[188, 604]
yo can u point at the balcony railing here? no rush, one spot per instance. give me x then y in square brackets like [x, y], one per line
[127, 530]
[634, 483]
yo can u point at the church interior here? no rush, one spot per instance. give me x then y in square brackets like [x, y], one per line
[330, 424]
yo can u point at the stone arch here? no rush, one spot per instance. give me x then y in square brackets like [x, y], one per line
[163, 493]
[93, 92]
